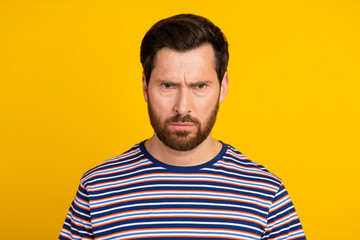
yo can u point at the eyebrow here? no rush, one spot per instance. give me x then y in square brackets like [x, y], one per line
[169, 82]
[176, 84]
[200, 82]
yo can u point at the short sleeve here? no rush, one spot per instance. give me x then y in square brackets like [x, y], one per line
[78, 222]
[283, 221]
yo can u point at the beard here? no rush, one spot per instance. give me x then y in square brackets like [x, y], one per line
[182, 140]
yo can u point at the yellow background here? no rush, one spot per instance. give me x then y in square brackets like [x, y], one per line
[71, 98]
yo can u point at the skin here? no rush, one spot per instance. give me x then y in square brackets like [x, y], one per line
[184, 83]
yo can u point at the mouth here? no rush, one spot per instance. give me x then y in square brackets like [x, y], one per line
[182, 126]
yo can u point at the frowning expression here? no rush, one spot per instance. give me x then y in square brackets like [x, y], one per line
[183, 96]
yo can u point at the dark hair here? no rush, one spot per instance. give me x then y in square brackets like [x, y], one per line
[184, 32]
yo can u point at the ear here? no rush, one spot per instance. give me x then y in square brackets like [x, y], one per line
[224, 87]
[145, 88]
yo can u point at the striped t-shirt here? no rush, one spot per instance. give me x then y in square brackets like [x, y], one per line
[135, 196]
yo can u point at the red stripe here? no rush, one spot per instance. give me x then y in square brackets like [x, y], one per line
[209, 179]
[159, 214]
[184, 234]
[227, 196]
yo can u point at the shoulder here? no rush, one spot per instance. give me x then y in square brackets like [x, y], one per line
[233, 160]
[122, 163]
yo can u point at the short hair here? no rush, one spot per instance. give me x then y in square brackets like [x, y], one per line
[184, 32]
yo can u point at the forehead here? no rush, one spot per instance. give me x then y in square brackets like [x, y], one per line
[194, 63]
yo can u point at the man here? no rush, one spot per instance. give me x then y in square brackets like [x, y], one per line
[182, 183]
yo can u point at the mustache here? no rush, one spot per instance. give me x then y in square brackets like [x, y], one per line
[182, 118]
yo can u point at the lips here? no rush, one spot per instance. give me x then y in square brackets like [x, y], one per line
[182, 126]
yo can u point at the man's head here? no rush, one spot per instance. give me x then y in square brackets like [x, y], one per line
[182, 63]
[182, 33]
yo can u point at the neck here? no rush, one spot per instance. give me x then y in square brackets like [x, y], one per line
[203, 153]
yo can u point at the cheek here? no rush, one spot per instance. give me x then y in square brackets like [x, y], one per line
[161, 107]
[206, 104]
[208, 101]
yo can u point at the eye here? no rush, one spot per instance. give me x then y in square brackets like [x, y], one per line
[201, 86]
[167, 85]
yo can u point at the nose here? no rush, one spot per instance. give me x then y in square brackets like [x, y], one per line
[183, 103]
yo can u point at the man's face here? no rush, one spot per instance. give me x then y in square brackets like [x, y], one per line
[183, 96]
